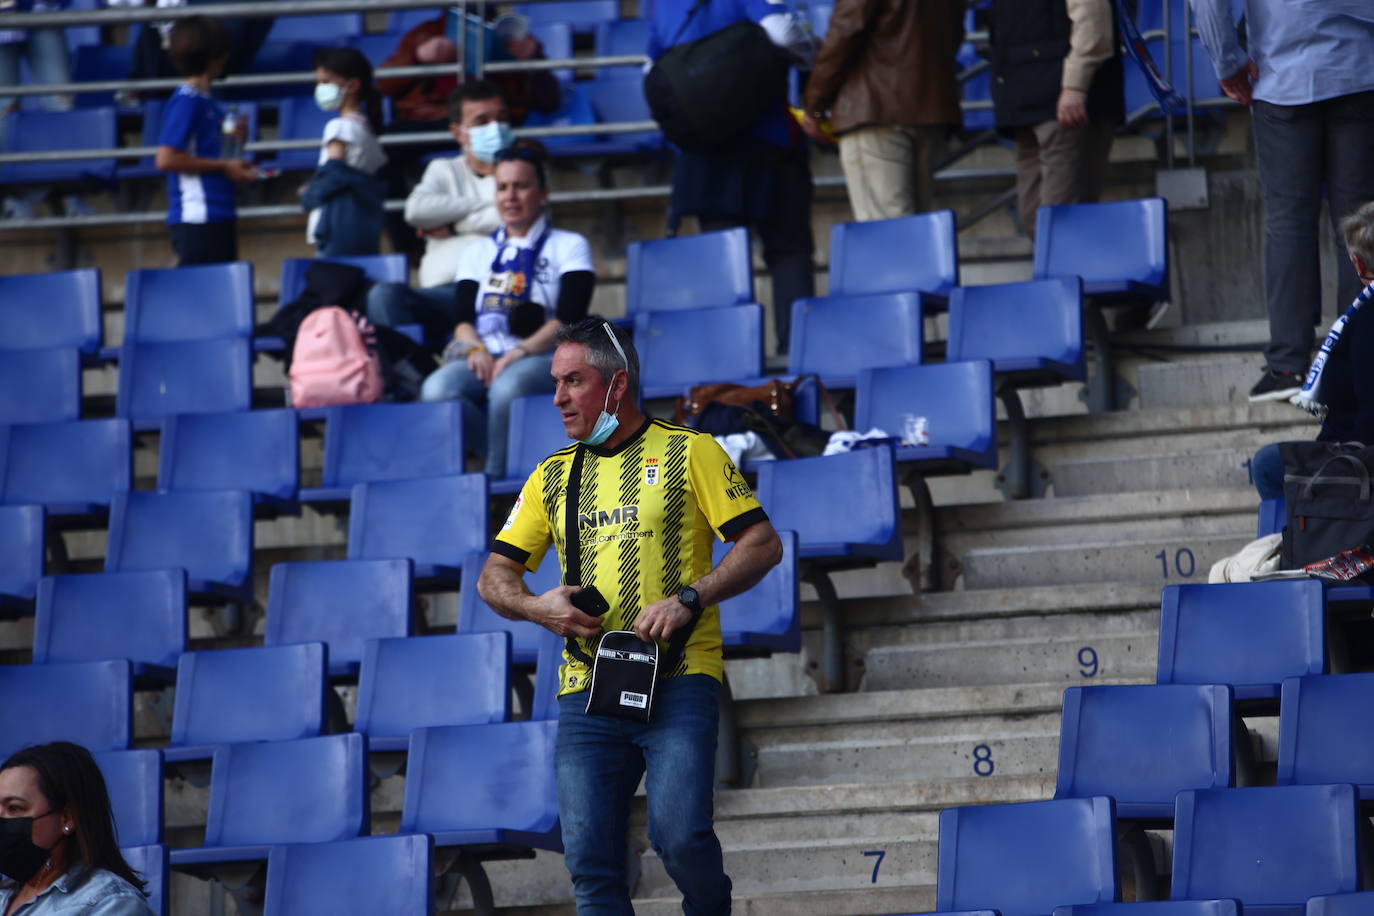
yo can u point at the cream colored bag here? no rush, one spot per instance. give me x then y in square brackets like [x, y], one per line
[1258, 556]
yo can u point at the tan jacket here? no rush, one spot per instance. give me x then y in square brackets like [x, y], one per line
[889, 62]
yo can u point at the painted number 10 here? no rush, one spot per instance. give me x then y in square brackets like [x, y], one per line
[1185, 564]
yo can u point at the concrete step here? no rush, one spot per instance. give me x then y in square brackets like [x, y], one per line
[1187, 383]
[1164, 562]
[1218, 468]
[871, 899]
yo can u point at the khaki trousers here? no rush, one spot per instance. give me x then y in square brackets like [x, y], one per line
[1059, 165]
[888, 169]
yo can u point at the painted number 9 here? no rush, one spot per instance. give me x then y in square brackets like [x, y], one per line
[1087, 661]
[982, 760]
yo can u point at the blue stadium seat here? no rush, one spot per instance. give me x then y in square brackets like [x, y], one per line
[403, 21]
[298, 117]
[72, 468]
[957, 400]
[615, 100]
[222, 694]
[484, 785]
[139, 616]
[202, 302]
[1032, 332]
[917, 253]
[1026, 859]
[1270, 848]
[49, 131]
[432, 521]
[263, 794]
[283, 57]
[836, 337]
[370, 442]
[383, 268]
[1324, 731]
[683, 348]
[134, 782]
[209, 534]
[40, 386]
[574, 109]
[1271, 518]
[1250, 635]
[546, 681]
[57, 309]
[378, 46]
[254, 450]
[1356, 904]
[157, 380]
[21, 556]
[1143, 744]
[535, 432]
[89, 703]
[98, 62]
[582, 15]
[709, 270]
[341, 603]
[1154, 908]
[767, 618]
[423, 681]
[618, 38]
[325, 28]
[151, 863]
[1120, 249]
[476, 616]
[375, 874]
[843, 507]
[557, 40]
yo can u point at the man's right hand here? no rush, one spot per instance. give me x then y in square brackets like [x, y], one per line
[480, 363]
[240, 171]
[555, 612]
[436, 50]
[1239, 86]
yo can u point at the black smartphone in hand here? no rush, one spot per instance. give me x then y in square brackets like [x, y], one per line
[589, 601]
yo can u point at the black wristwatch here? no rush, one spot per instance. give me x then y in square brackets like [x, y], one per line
[689, 599]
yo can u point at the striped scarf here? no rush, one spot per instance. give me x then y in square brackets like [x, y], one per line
[1310, 398]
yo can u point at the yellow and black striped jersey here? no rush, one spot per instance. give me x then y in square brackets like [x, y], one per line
[644, 512]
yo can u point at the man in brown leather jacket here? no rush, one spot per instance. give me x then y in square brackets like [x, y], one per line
[886, 78]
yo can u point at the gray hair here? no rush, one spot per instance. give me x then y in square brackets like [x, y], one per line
[594, 334]
[1358, 229]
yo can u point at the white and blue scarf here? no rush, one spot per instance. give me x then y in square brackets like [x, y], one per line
[1311, 398]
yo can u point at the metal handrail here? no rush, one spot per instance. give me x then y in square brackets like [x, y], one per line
[263, 9]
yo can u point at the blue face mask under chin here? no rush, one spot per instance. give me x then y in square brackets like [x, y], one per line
[606, 424]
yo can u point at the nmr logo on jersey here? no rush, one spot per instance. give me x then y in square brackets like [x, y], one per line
[621, 515]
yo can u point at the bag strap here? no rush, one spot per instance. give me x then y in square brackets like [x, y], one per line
[826, 400]
[696, 7]
[1362, 475]
[572, 550]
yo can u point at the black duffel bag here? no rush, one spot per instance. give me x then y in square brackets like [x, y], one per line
[1328, 501]
[707, 94]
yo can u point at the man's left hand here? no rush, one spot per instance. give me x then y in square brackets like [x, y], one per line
[504, 360]
[661, 619]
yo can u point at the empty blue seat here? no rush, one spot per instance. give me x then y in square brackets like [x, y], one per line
[222, 697]
[1270, 848]
[320, 28]
[836, 337]
[422, 681]
[476, 616]
[557, 41]
[622, 37]
[683, 348]
[253, 450]
[97, 62]
[73, 468]
[377, 47]
[432, 521]
[535, 432]
[40, 386]
[583, 15]
[88, 703]
[403, 21]
[1026, 859]
[57, 309]
[298, 117]
[841, 506]
[1154, 908]
[484, 785]
[382, 268]
[1250, 635]
[613, 104]
[956, 398]
[50, 131]
[267, 793]
[1143, 744]
[201, 302]
[765, 619]
[157, 380]
[375, 874]
[1324, 731]
[575, 108]
[1032, 332]
[1120, 249]
[139, 616]
[134, 782]
[1271, 518]
[151, 863]
[341, 604]
[364, 443]
[21, 556]
[209, 534]
[1356, 904]
[917, 253]
[709, 270]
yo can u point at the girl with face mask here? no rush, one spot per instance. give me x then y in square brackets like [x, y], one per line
[344, 197]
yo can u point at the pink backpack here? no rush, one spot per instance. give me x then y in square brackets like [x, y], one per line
[335, 360]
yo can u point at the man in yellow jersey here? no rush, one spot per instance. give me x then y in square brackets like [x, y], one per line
[646, 498]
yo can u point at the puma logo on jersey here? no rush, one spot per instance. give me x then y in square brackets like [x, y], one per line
[621, 515]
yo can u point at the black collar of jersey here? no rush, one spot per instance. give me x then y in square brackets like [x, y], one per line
[600, 452]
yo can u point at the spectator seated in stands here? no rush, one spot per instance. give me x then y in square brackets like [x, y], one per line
[57, 838]
[1344, 387]
[453, 207]
[344, 197]
[515, 289]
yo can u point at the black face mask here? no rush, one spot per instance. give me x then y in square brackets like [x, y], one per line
[20, 859]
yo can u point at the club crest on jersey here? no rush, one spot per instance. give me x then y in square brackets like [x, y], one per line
[650, 472]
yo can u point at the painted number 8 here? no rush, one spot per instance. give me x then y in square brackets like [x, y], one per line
[982, 760]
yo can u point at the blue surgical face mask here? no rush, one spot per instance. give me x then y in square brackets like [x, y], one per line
[606, 424]
[329, 96]
[486, 141]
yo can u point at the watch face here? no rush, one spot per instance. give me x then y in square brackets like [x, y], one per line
[688, 596]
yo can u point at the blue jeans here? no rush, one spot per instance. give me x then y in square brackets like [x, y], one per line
[1267, 470]
[432, 307]
[529, 375]
[46, 50]
[598, 762]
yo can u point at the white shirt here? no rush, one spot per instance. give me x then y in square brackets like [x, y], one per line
[363, 153]
[451, 194]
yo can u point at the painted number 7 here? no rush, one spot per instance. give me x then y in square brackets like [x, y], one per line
[878, 862]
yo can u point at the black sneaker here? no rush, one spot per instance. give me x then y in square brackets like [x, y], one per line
[1275, 386]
